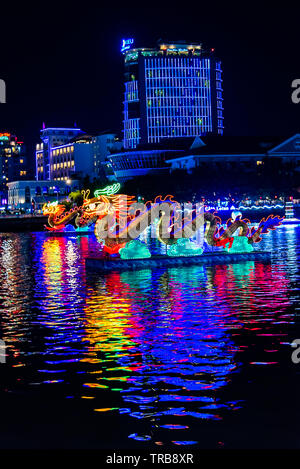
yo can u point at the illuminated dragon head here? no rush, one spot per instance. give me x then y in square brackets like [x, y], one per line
[53, 208]
[106, 201]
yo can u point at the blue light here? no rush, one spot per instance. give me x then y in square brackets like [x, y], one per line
[242, 207]
[178, 99]
[60, 128]
[126, 44]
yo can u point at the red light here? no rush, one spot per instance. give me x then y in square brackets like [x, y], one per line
[113, 249]
[213, 50]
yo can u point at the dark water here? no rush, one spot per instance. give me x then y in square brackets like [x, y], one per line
[195, 355]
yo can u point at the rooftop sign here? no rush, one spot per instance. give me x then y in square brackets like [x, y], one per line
[126, 44]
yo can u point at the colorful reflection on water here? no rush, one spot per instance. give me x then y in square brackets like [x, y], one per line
[172, 350]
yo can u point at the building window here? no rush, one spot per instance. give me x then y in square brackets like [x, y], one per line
[27, 195]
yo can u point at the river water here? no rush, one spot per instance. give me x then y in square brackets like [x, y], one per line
[197, 356]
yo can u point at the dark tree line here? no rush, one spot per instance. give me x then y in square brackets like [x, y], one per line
[270, 179]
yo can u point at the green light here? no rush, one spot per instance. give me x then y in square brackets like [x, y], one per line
[135, 250]
[184, 247]
[240, 244]
[108, 190]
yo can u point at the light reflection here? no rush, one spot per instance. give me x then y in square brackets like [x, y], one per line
[176, 348]
[161, 346]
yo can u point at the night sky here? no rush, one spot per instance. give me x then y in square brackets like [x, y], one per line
[63, 64]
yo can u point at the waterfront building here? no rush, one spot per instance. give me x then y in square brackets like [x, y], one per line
[214, 152]
[13, 164]
[55, 138]
[32, 195]
[173, 90]
[103, 145]
[72, 153]
[245, 153]
[72, 159]
[148, 159]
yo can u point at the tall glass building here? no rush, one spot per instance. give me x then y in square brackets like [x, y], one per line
[174, 90]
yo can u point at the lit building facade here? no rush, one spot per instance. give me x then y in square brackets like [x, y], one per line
[71, 159]
[32, 195]
[172, 91]
[13, 164]
[68, 153]
[45, 157]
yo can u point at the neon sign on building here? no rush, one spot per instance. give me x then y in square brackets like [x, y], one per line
[126, 44]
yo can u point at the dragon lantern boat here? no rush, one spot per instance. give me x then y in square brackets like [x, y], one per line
[118, 220]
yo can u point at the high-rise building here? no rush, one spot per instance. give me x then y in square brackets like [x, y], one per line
[173, 90]
[12, 162]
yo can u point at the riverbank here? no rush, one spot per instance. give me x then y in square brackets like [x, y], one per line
[22, 223]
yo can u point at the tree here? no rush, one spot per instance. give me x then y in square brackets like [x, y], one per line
[76, 197]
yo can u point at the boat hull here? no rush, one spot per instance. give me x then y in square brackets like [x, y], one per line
[101, 264]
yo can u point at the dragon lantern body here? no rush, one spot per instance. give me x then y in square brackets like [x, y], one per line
[118, 220]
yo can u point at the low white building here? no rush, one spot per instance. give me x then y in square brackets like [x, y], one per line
[32, 195]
